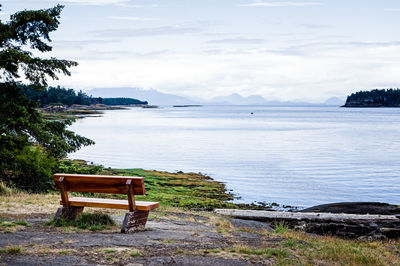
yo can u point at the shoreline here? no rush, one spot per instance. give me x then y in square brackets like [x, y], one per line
[215, 194]
[76, 111]
[195, 191]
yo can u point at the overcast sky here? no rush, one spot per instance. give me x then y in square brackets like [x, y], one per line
[282, 50]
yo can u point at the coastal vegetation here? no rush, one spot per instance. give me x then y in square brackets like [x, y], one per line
[29, 144]
[187, 190]
[122, 101]
[62, 96]
[374, 98]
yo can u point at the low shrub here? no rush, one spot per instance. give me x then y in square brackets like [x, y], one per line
[89, 221]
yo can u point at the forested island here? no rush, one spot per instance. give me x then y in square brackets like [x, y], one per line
[62, 96]
[374, 98]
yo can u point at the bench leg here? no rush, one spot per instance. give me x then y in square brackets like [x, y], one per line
[69, 213]
[134, 221]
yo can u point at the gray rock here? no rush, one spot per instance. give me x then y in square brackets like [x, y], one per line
[256, 225]
[356, 208]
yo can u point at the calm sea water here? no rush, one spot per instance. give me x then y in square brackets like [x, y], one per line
[300, 156]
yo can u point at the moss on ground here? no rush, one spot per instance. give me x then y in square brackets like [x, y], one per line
[188, 190]
[88, 221]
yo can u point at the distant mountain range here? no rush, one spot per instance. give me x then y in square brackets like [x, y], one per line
[155, 97]
[335, 101]
[151, 96]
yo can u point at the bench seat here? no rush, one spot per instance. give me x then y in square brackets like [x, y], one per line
[131, 186]
[111, 203]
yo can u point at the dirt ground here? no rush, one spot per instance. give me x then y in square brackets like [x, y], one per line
[170, 239]
[173, 236]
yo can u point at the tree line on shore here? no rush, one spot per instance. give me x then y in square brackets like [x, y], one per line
[374, 98]
[62, 96]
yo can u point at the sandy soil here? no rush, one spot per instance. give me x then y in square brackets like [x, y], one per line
[172, 239]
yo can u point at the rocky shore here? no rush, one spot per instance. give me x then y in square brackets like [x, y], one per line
[333, 219]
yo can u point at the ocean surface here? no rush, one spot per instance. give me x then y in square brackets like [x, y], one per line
[299, 156]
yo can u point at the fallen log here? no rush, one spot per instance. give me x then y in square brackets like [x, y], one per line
[267, 215]
[346, 225]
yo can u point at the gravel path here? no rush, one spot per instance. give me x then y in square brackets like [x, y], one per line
[185, 240]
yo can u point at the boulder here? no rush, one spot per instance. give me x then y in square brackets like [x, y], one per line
[356, 208]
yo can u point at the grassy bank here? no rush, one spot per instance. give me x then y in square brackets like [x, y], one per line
[187, 190]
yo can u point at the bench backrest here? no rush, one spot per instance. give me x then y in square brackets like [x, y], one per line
[100, 183]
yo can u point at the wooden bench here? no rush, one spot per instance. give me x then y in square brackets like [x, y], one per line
[135, 219]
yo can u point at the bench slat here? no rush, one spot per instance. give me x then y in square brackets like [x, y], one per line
[111, 203]
[100, 183]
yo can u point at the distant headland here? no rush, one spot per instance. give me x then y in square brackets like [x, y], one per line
[374, 98]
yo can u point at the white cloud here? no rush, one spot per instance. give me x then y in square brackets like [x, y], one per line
[319, 74]
[237, 40]
[140, 32]
[131, 18]
[281, 4]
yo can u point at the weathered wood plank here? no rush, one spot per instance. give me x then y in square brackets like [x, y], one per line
[131, 195]
[279, 215]
[100, 183]
[111, 203]
[63, 190]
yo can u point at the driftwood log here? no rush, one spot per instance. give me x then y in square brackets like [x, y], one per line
[369, 226]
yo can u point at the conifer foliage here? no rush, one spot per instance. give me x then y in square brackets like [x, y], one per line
[30, 145]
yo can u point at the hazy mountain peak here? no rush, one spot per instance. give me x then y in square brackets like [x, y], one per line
[237, 99]
[335, 101]
[152, 96]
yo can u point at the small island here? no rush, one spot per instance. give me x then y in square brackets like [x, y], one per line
[374, 98]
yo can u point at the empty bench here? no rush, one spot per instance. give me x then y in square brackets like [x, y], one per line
[138, 213]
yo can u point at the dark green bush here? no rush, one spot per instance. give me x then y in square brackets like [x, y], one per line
[32, 170]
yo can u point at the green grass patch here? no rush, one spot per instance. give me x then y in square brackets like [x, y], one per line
[11, 250]
[6, 190]
[88, 221]
[7, 224]
[280, 253]
[108, 251]
[10, 224]
[281, 228]
[23, 223]
[135, 253]
[291, 244]
[63, 252]
[187, 190]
